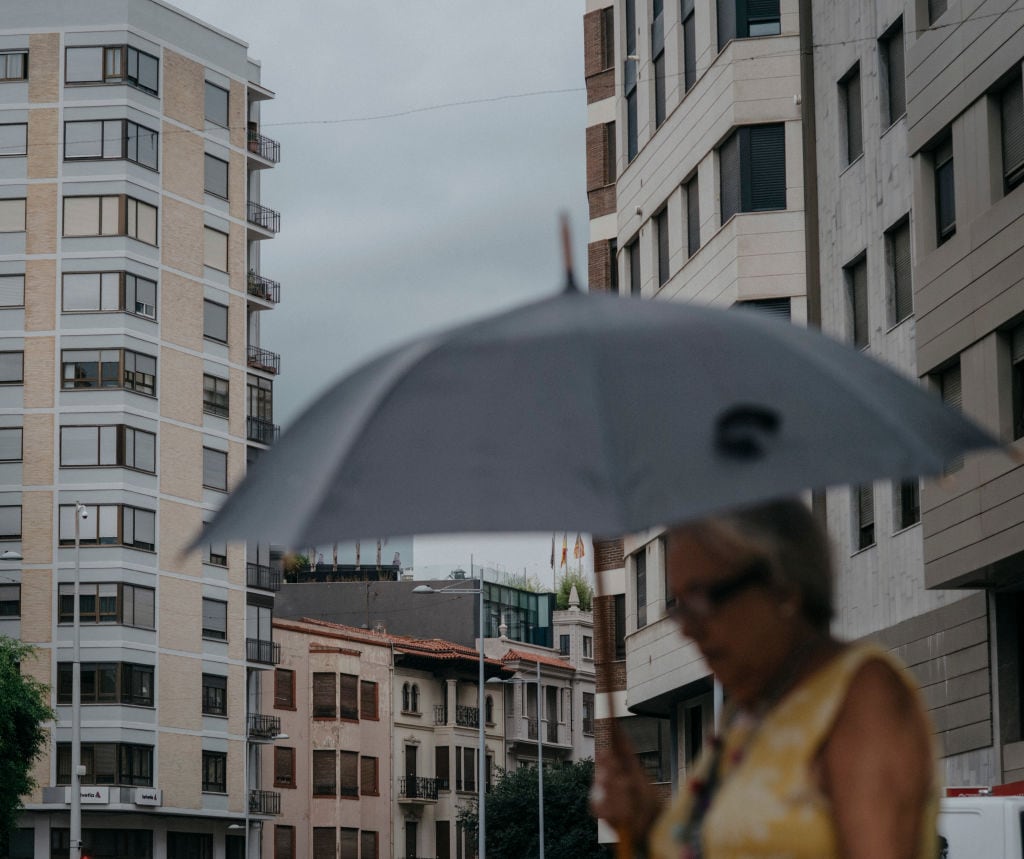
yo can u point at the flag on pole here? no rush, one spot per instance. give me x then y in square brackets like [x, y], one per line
[565, 550]
[552, 550]
[577, 550]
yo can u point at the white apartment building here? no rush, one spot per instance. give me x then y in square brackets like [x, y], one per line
[134, 391]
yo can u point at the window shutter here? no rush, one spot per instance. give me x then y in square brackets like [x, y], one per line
[368, 776]
[283, 695]
[854, 134]
[284, 841]
[859, 302]
[469, 769]
[866, 504]
[367, 699]
[897, 79]
[441, 766]
[1017, 345]
[284, 766]
[1012, 108]
[324, 779]
[349, 762]
[778, 307]
[349, 697]
[903, 292]
[766, 176]
[726, 21]
[325, 842]
[689, 48]
[952, 394]
[369, 845]
[729, 173]
[324, 699]
[692, 217]
[349, 843]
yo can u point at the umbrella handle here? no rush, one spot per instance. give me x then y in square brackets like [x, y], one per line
[624, 849]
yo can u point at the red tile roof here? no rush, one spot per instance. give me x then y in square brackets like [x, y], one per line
[542, 658]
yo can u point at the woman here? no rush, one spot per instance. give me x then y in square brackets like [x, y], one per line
[825, 749]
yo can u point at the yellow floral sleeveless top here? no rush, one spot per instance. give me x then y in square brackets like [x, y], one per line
[766, 802]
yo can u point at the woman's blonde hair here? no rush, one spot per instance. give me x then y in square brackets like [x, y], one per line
[786, 536]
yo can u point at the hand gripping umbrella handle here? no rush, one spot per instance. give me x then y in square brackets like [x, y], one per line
[624, 849]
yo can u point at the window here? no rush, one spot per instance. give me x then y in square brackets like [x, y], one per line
[215, 695]
[658, 53]
[284, 842]
[752, 165]
[97, 844]
[850, 114]
[12, 216]
[113, 64]
[215, 396]
[99, 291]
[740, 19]
[368, 776]
[489, 710]
[216, 177]
[110, 215]
[935, 10]
[588, 713]
[12, 290]
[661, 239]
[10, 522]
[948, 383]
[692, 190]
[441, 767]
[189, 845]
[114, 445]
[410, 698]
[108, 763]
[95, 139]
[563, 645]
[108, 368]
[325, 777]
[325, 703]
[898, 272]
[215, 553]
[640, 572]
[108, 602]
[215, 777]
[619, 636]
[348, 686]
[348, 844]
[633, 262]
[1011, 114]
[367, 699]
[215, 469]
[10, 444]
[284, 766]
[215, 321]
[1017, 383]
[10, 601]
[108, 683]
[12, 368]
[778, 307]
[588, 647]
[284, 689]
[215, 251]
[864, 497]
[13, 65]
[856, 277]
[261, 398]
[907, 503]
[689, 45]
[325, 842]
[216, 104]
[368, 845]
[13, 138]
[893, 83]
[629, 75]
[215, 619]
[945, 196]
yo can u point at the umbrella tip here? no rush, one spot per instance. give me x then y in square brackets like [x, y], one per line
[570, 280]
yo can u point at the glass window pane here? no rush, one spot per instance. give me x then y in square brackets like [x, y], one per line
[145, 528]
[11, 364]
[141, 299]
[144, 144]
[112, 131]
[83, 65]
[13, 139]
[81, 216]
[108, 445]
[107, 520]
[146, 223]
[148, 72]
[110, 291]
[12, 290]
[12, 216]
[216, 177]
[217, 105]
[111, 220]
[78, 446]
[10, 444]
[145, 451]
[215, 321]
[81, 291]
[216, 249]
[10, 522]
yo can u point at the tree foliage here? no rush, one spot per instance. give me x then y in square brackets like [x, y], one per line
[583, 588]
[23, 710]
[570, 831]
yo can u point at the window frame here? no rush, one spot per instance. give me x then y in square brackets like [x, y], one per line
[212, 396]
[215, 463]
[4, 524]
[127, 287]
[661, 245]
[943, 165]
[125, 436]
[369, 765]
[116, 616]
[24, 144]
[214, 695]
[123, 140]
[10, 600]
[125, 675]
[115, 71]
[214, 772]
[137, 381]
[208, 260]
[863, 498]
[281, 674]
[906, 503]
[369, 700]
[208, 86]
[319, 785]
[1012, 90]
[640, 582]
[19, 277]
[132, 764]
[215, 321]
[14, 210]
[289, 835]
[214, 191]
[210, 633]
[893, 85]
[851, 114]
[127, 217]
[5, 75]
[855, 281]
[900, 286]
[284, 766]
[752, 158]
[17, 369]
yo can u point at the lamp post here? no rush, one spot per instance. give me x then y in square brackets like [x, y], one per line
[540, 759]
[76, 699]
[482, 754]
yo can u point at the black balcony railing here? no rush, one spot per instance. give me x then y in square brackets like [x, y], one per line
[440, 714]
[263, 359]
[263, 577]
[264, 802]
[265, 432]
[467, 717]
[415, 787]
[258, 650]
[264, 287]
[264, 727]
[265, 147]
[264, 217]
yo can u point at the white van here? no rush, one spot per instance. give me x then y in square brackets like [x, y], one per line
[983, 823]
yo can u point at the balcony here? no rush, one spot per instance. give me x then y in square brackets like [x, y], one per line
[264, 652]
[523, 729]
[264, 802]
[263, 359]
[264, 218]
[261, 576]
[265, 288]
[416, 789]
[263, 727]
[264, 432]
[264, 147]
[465, 717]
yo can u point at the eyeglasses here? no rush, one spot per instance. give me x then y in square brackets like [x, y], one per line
[701, 603]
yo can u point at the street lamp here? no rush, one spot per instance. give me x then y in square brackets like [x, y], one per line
[482, 755]
[540, 759]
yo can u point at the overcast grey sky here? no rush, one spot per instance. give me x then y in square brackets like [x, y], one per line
[402, 224]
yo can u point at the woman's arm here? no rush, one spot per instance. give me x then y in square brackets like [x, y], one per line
[623, 795]
[877, 767]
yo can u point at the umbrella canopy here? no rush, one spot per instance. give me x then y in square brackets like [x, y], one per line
[589, 412]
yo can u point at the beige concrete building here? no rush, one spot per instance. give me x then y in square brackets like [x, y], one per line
[135, 386]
